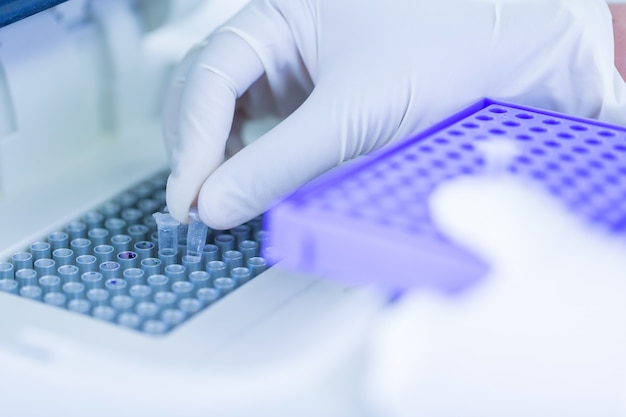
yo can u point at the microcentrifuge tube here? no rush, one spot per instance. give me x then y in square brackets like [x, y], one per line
[40, 250]
[175, 272]
[8, 285]
[168, 231]
[207, 295]
[154, 327]
[6, 270]
[63, 256]
[45, 266]
[190, 306]
[103, 312]
[183, 289]
[173, 316]
[196, 234]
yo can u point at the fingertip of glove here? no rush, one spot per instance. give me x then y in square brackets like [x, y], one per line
[217, 217]
[221, 210]
[177, 205]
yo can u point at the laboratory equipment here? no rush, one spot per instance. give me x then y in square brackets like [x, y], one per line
[79, 84]
[196, 234]
[378, 208]
[167, 232]
[80, 149]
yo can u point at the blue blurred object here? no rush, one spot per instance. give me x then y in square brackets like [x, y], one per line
[370, 222]
[14, 10]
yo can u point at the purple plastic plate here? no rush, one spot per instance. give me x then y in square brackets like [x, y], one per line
[368, 222]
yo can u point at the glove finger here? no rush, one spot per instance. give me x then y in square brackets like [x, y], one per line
[221, 72]
[235, 143]
[297, 150]
[173, 96]
[234, 58]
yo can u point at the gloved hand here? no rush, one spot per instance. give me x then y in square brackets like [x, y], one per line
[536, 336]
[352, 76]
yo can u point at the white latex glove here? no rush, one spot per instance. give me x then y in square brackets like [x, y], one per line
[541, 335]
[352, 76]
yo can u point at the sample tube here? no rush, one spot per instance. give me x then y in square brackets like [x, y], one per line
[68, 273]
[241, 233]
[79, 305]
[110, 269]
[138, 232]
[144, 249]
[232, 259]
[263, 237]
[63, 256]
[115, 226]
[127, 199]
[8, 285]
[6, 270]
[55, 298]
[183, 289]
[256, 265]
[80, 246]
[192, 264]
[158, 282]
[98, 236]
[224, 284]
[175, 272]
[190, 306]
[73, 290]
[134, 276]
[86, 263]
[225, 242]
[151, 266]
[149, 221]
[241, 275]
[173, 316]
[216, 269]
[168, 231]
[255, 224]
[196, 234]
[110, 210]
[98, 296]
[26, 277]
[207, 295]
[140, 293]
[123, 303]
[92, 280]
[50, 283]
[148, 205]
[22, 260]
[76, 230]
[249, 249]
[127, 259]
[116, 286]
[143, 190]
[165, 299]
[93, 219]
[45, 266]
[40, 250]
[105, 313]
[147, 309]
[58, 240]
[130, 320]
[154, 327]
[200, 279]
[121, 243]
[168, 256]
[131, 215]
[31, 291]
[210, 253]
[104, 253]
